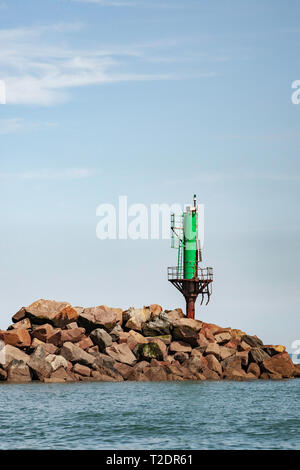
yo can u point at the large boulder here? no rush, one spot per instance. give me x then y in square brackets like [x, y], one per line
[253, 341]
[180, 346]
[43, 332]
[101, 338]
[214, 364]
[155, 310]
[222, 338]
[82, 370]
[297, 371]
[98, 317]
[135, 338]
[73, 353]
[57, 361]
[160, 326]
[220, 352]
[121, 353]
[38, 364]
[258, 355]
[235, 374]
[273, 350]
[137, 317]
[156, 374]
[231, 363]
[146, 352]
[280, 364]
[187, 329]
[25, 324]
[9, 353]
[58, 314]
[16, 337]
[254, 369]
[19, 315]
[18, 371]
[73, 335]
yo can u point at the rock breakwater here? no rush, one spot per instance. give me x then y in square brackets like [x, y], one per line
[53, 341]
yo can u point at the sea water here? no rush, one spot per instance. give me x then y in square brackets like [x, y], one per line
[148, 415]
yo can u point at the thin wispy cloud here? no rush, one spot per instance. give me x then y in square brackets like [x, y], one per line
[50, 174]
[14, 125]
[221, 177]
[40, 68]
[109, 3]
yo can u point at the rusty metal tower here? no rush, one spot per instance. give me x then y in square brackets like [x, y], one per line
[188, 277]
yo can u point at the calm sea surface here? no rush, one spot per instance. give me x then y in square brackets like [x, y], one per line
[132, 415]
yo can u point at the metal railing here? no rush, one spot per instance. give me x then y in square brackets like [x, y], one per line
[204, 274]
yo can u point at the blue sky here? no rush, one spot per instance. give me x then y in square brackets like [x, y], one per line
[156, 100]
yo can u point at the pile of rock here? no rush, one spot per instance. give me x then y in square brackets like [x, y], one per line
[55, 342]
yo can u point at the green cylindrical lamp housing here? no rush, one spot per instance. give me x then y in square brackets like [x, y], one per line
[190, 226]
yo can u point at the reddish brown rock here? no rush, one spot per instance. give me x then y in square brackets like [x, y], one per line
[233, 343]
[254, 369]
[97, 317]
[85, 343]
[38, 364]
[181, 357]
[207, 333]
[212, 327]
[61, 375]
[297, 370]
[174, 315]
[57, 362]
[19, 315]
[73, 335]
[210, 374]
[202, 340]
[141, 366]
[280, 364]
[58, 314]
[213, 364]
[253, 341]
[180, 346]
[82, 370]
[17, 337]
[121, 353]
[242, 346]
[231, 363]
[222, 338]
[235, 374]
[258, 355]
[155, 310]
[244, 357]
[134, 338]
[124, 369]
[9, 353]
[123, 337]
[43, 332]
[273, 350]
[156, 374]
[18, 371]
[74, 353]
[196, 364]
[137, 376]
[72, 325]
[25, 324]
